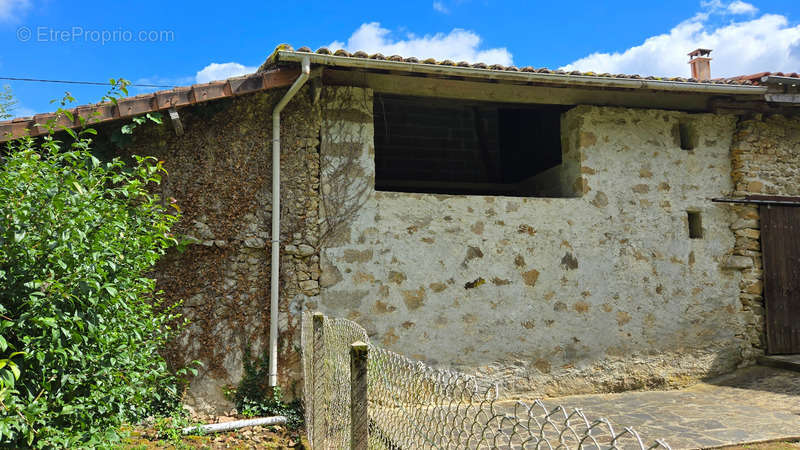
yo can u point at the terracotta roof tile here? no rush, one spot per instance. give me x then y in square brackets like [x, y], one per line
[756, 77]
[156, 101]
[172, 98]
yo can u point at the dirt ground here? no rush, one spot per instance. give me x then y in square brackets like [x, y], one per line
[277, 437]
[258, 437]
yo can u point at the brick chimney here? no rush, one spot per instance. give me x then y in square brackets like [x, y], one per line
[701, 64]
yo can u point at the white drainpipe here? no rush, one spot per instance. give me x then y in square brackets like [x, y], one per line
[305, 66]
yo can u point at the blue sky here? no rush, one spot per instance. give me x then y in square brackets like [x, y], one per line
[184, 43]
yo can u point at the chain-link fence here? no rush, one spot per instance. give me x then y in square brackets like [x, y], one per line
[406, 404]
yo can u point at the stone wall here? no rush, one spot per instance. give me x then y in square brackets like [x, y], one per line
[220, 177]
[602, 292]
[765, 154]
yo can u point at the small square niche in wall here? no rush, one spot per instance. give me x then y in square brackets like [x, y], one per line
[695, 225]
[688, 135]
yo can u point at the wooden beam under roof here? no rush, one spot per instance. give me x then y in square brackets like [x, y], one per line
[506, 92]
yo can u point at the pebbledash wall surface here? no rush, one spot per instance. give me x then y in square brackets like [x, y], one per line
[602, 291]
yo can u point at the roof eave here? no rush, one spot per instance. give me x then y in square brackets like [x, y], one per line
[127, 107]
[514, 76]
[781, 81]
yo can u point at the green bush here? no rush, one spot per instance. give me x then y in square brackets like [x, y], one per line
[252, 397]
[80, 321]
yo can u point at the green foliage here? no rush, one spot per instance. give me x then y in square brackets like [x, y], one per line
[122, 137]
[7, 103]
[170, 428]
[80, 321]
[253, 398]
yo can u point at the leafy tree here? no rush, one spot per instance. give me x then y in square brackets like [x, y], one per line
[80, 321]
[7, 103]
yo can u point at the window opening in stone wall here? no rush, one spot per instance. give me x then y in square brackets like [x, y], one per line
[695, 225]
[688, 136]
[460, 147]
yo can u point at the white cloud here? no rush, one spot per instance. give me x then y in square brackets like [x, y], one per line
[457, 45]
[21, 111]
[439, 6]
[740, 7]
[217, 71]
[12, 9]
[161, 81]
[720, 7]
[765, 43]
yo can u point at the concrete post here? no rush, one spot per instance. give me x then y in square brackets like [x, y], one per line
[359, 420]
[318, 422]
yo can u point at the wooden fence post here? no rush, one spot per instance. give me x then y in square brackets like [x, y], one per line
[359, 420]
[318, 407]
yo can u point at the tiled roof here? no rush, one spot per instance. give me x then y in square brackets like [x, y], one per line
[156, 101]
[756, 78]
[498, 67]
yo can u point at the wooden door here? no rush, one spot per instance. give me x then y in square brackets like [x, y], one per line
[780, 246]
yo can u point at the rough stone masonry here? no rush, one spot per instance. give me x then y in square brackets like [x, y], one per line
[765, 154]
[220, 176]
[603, 291]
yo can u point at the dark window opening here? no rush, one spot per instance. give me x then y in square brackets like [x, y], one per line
[695, 225]
[462, 147]
[687, 136]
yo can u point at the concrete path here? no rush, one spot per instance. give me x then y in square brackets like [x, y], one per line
[788, 362]
[753, 404]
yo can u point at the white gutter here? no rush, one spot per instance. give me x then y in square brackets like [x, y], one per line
[305, 67]
[527, 77]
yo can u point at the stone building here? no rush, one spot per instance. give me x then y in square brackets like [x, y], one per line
[555, 231]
